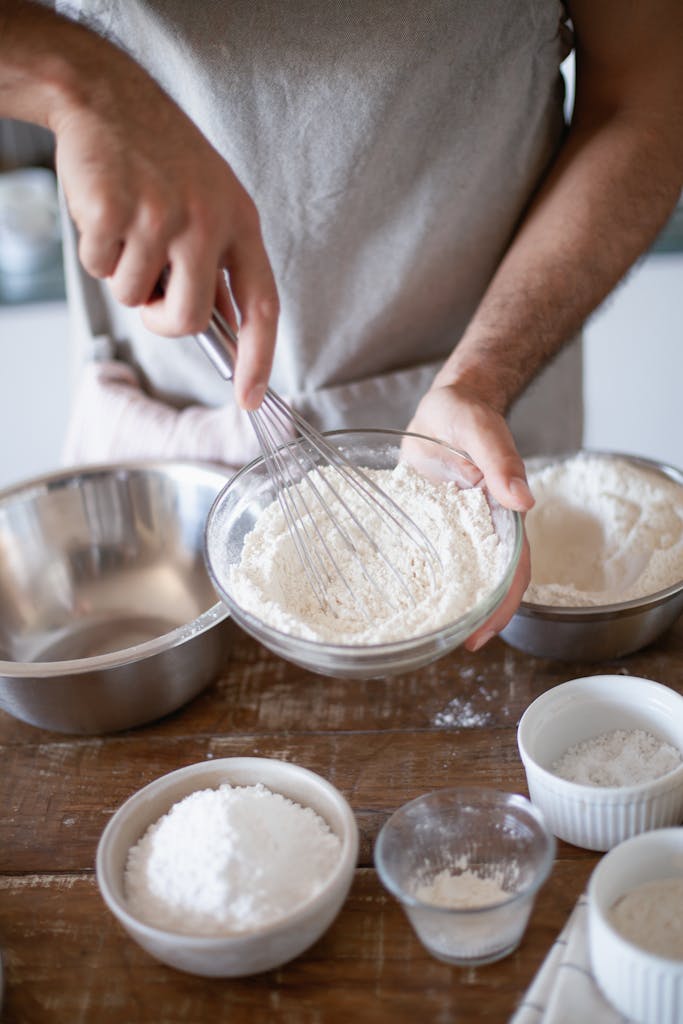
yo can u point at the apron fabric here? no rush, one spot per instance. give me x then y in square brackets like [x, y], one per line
[390, 149]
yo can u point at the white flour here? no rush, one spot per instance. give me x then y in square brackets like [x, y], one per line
[491, 922]
[618, 758]
[602, 531]
[650, 917]
[270, 583]
[463, 890]
[228, 859]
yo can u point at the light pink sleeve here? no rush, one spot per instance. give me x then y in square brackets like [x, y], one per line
[113, 420]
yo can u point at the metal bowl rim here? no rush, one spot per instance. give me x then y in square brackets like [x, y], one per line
[217, 613]
[618, 609]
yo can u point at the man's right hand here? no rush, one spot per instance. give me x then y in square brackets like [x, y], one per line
[146, 190]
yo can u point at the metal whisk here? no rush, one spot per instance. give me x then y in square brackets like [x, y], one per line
[310, 457]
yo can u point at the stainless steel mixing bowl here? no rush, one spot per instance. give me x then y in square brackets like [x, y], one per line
[108, 618]
[597, 632]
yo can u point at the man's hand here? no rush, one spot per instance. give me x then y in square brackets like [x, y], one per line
[609, 191]
[145, 188]
[469, 424]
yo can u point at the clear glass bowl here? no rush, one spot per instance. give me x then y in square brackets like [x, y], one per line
[472, 836]
[238, 506]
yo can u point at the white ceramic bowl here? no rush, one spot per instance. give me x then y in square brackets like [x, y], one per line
[493, 835]
[646, 988]
[599, 817]
[248, 952]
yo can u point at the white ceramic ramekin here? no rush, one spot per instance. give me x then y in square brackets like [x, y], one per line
[600, 817]
[647, 989]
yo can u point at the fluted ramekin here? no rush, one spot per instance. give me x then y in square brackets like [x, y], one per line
[646, 988]
[600, 817]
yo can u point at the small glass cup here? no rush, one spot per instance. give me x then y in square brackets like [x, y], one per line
[466, 865]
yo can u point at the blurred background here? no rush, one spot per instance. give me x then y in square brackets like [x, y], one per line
[633, 345]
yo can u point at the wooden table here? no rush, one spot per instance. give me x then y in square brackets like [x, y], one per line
[381, 742]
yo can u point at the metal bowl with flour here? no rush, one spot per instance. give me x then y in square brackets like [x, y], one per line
[107, 616]
[600, 631]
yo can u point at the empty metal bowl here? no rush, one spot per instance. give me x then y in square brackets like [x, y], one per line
[107, 616]
[596, 632]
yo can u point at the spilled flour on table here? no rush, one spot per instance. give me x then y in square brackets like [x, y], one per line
[473, 709]
[461, 714]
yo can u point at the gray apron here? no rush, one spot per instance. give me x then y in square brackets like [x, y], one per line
[390, 148]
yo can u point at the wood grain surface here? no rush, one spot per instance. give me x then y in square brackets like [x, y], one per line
[381, 742]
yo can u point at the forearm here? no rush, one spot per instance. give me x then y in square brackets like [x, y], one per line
[47, 63]
[147, 191]
[611, 189]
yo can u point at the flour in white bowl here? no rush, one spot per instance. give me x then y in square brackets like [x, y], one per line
[463, 890]
[621, 757]
[649, 916]
[603, 530]
[270, 583]
[227, 860]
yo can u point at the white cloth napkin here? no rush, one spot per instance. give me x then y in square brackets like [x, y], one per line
[564, 990]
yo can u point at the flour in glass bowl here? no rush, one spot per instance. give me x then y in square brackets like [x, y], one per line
[603, 530]
[269, 581]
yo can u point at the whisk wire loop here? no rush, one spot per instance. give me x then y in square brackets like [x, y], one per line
[302, 470]
[362, 485]
[295, 455]
[301, 522]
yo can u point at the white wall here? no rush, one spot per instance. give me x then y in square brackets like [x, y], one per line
[633, 372]
[34, 388]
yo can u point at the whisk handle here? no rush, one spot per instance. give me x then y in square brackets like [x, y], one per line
[219, 343]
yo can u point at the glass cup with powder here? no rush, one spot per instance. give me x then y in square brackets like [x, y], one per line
[466, 865]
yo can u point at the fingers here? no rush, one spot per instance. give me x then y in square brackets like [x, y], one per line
[253, 287]
[188, 297]
[193, 288]
[143, 256]
[102, 222]
[117, 240]
[471, 425]
[99, 255]
[485, 435]
[467, 423]
[170, 201]
[509, 605]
